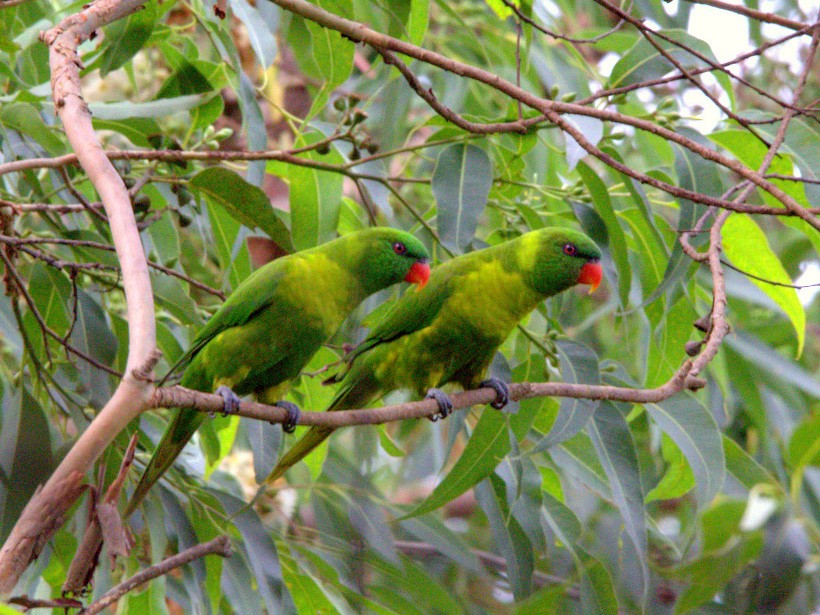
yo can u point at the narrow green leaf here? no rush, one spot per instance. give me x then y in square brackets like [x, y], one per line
[579, 365]
[508, 536]
[461, 184]
[743, 467]
[597, 590]
[616, 243]
[234, 260]
[92, 335]
[779, 368]
[315, 196]
[243, 201]
[747, 246]
[804, 444]
[264, 439]
[125, 37]
[616, 450]
[261, 552]
[25, 453]
[487, 446]
[692, 427]
[171, 295]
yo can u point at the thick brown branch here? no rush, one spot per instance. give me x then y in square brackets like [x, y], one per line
[221, 545]
[32, 528]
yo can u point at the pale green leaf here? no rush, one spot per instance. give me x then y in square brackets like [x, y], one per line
[747, 246]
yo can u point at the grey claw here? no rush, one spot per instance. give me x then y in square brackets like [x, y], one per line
[289, 426]
[231, 400]
[502, 392]
[445, 406]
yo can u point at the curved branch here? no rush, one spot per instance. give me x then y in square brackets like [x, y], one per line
[221, 545]
[131, 395]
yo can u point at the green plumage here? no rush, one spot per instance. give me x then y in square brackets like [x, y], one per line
[273, 323]
[450, 330]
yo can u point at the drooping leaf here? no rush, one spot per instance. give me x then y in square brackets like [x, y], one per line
[261, 38]
[616, 451]
[579, 365]
[508, 536]
[597, 591]
[692, 427]
[747, 246]
[616, 243]
[486, 447]
[261, 552]
[245, 202]
[461, 184]
[315, 196]
[25, 453]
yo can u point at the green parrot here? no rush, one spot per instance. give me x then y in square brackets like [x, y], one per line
[272, 324]
[450, 330]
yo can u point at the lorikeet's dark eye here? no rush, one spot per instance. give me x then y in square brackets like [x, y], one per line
[570, 249]
[399, 248]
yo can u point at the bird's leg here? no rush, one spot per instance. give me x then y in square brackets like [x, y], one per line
[502, 392]
[445, 406]
[289, 426]
[231, 400]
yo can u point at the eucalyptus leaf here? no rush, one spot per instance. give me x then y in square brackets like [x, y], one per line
[461, 184]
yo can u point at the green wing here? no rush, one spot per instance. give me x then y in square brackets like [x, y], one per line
[416, 310]
[257, 292]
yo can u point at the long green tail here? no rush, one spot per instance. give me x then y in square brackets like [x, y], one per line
[313, 438]
[181, 429]
[357, 391]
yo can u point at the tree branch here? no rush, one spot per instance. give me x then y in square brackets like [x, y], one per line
[752, 13]
[180, 397]
[131, 395]
[221, 545]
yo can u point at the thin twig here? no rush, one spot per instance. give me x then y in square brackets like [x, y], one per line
[221, 545]
[85, 243]
[752, 13]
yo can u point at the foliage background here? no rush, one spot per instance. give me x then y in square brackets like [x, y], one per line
[704, 501]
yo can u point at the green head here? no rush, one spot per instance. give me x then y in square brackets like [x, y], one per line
[383, 256]
[557, 258]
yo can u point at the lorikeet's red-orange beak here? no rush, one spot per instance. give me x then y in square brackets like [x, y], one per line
[592, 273]
[419, 273]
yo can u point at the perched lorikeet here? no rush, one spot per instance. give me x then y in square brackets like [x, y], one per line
[273, 323]
[450, 330]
